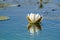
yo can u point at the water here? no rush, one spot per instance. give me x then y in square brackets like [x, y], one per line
[16, 27]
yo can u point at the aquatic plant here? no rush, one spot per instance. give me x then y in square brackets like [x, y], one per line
[4, 18]
[34, 18]
[41, 5]
[4, 5]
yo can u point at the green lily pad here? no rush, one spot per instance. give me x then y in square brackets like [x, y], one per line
[4, 18]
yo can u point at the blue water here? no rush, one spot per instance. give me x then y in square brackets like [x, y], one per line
[16, 27]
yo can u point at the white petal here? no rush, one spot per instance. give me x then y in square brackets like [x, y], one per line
[32, 17]
[37, 17]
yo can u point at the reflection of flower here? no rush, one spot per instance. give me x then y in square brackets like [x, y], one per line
[34, 18]
[34, 28]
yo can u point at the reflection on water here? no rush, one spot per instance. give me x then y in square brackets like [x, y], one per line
[34, 28]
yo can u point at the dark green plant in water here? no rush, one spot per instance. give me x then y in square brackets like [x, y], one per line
[41, 5]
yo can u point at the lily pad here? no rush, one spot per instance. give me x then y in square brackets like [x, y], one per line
[2, 18]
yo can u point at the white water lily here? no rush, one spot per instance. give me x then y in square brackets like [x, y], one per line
[34, 18]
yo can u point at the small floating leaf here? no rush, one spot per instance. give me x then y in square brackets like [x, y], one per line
[41, 6]
[53, 9]
[4, 18]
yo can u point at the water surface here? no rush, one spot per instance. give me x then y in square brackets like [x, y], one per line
[16, 27]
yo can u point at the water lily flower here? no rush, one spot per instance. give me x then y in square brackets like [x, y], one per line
[34, 18]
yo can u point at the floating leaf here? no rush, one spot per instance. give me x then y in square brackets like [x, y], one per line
[4, 18]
